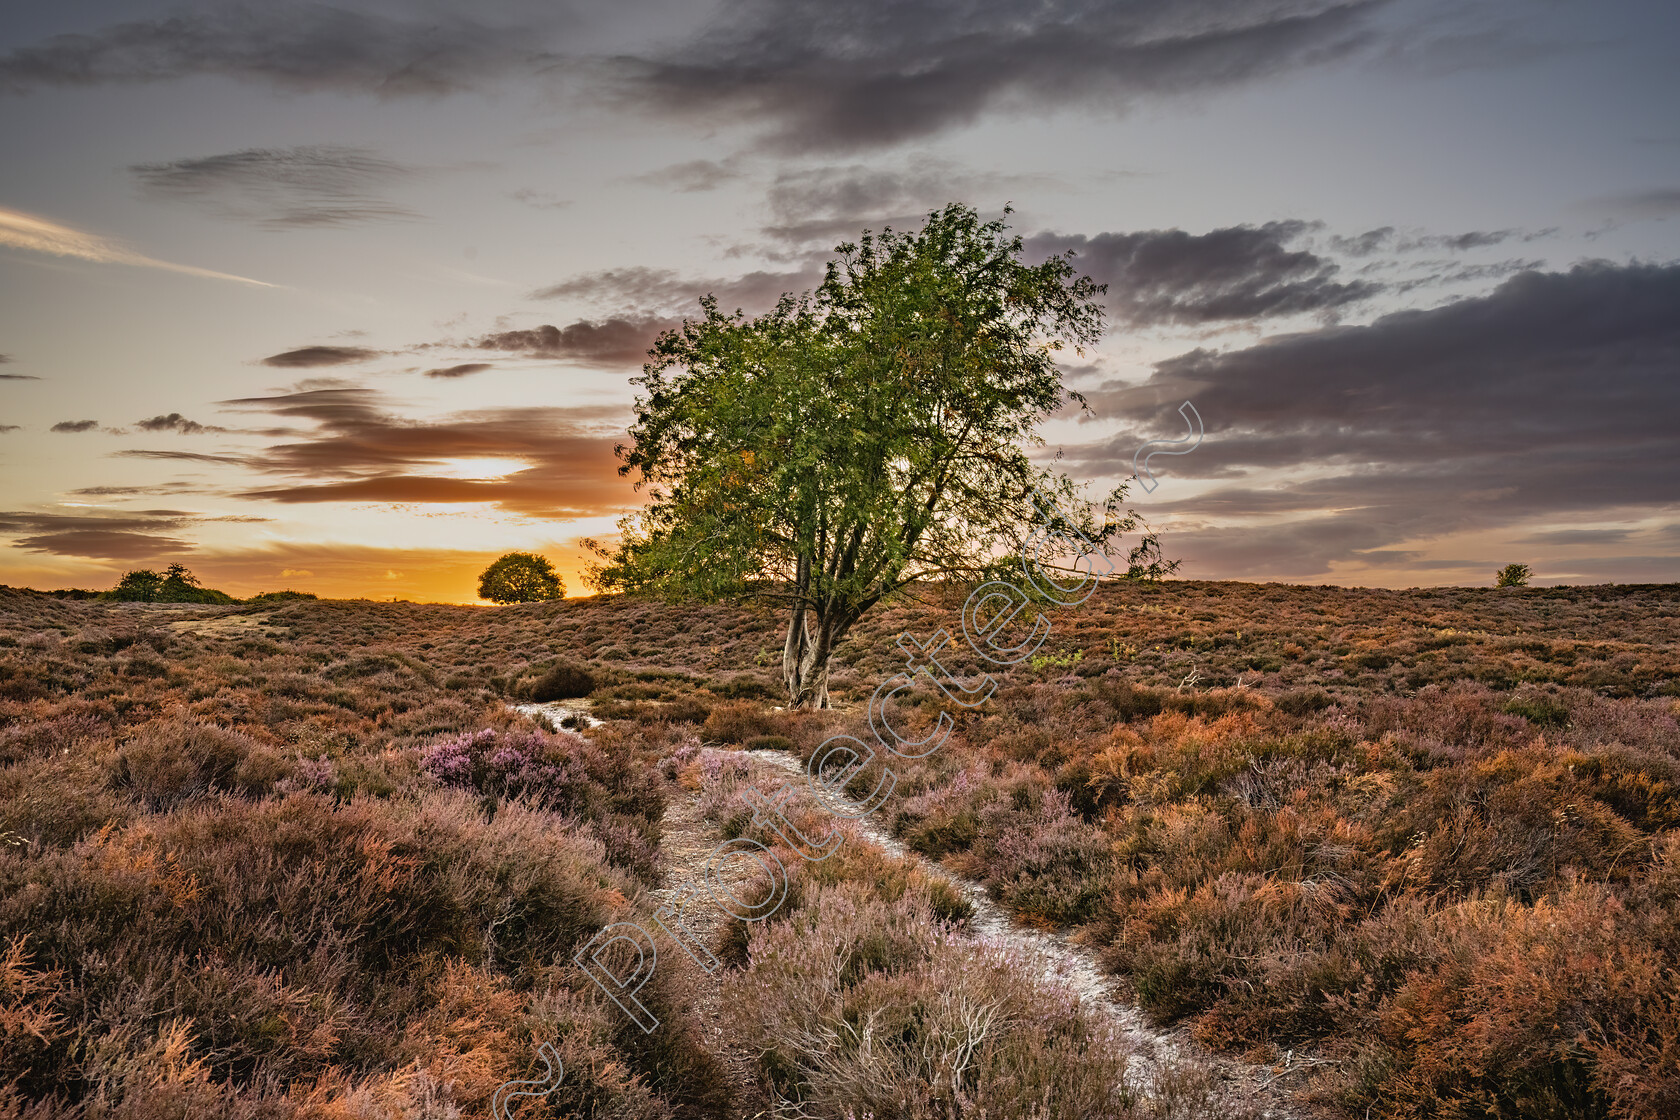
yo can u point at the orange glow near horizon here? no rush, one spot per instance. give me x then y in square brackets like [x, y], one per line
[415, 574]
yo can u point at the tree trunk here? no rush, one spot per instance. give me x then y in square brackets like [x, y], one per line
[805, 655]
[807, 682]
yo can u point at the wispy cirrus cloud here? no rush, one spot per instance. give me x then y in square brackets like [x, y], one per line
[836, 201]
[664, 294]
[5, 359]
[1660, 202]
[40, 235]
[186, 456]
[304, 187]
[1387, 238]
[540, 200]
[693, 176]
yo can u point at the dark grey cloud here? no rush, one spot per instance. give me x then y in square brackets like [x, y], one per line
[465, 369]
[11, 427]
[1475, 239]
[311, 356]
[294, 46]
[615, 341]
[1551, 398]
[126, 536]
[75, 425]
[362, 451]
[849, 74]
[1241, 272]
[175, 422]
[283, 188]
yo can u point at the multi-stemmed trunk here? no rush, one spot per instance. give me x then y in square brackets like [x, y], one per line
[814, 629]
[805, 664]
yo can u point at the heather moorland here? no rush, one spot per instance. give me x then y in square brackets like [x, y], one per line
[1414, 851]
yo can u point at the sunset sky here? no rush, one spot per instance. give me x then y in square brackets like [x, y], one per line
[347, 297]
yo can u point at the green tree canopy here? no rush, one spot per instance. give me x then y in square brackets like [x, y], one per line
[139, 586]
[857, 440]
[175, 585]
[1513, 575]
[520, 577]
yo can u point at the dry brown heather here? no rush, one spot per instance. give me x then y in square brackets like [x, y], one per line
[256, 863]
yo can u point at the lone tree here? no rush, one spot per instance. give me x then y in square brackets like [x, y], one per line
[520, 577]
[1512, 575]
[856, 441]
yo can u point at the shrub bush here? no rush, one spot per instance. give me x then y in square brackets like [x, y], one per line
[737, 721]
[565, 681]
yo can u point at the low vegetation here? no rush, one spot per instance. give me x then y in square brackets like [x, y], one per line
[1418, 848]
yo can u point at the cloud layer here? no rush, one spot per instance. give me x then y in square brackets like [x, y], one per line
[1241, 272]
[850, 74]
[1552, 397]
[307, 357]
[615, 341]
[136, 535]
[361, 451]
[283, 188]
[295, 46]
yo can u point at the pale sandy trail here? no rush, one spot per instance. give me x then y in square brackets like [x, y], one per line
[1058, 959]
[1061, 962]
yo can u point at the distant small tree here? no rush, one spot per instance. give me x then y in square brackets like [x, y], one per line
[1513, 575]
[178, 583]
[520, 577]
[139, 586]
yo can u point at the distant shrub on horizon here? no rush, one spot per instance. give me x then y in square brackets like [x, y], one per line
[1513, 575]
[281, 596]
[175, 585]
